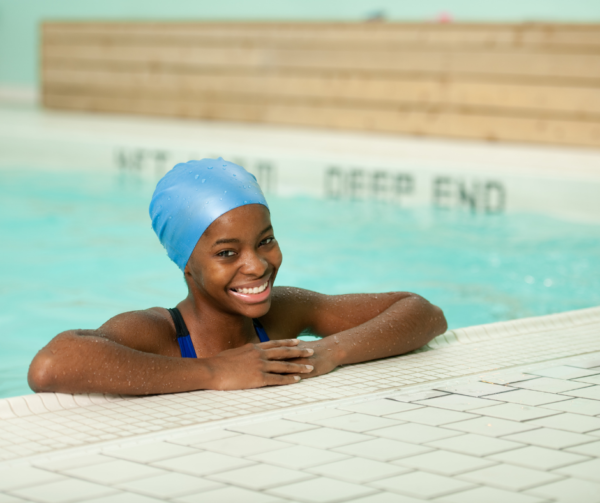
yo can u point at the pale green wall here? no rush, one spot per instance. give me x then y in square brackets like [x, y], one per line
[19, 19]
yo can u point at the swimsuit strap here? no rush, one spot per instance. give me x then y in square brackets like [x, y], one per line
[185, 341]
[260, 331]
[183, 334]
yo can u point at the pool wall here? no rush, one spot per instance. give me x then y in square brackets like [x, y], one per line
[409, 171]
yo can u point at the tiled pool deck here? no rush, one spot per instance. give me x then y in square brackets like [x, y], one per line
[506, 413]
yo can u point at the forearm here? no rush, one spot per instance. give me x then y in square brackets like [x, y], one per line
[406, 325]
[93, 364]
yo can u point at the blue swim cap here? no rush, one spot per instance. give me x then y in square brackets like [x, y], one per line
[192, 196]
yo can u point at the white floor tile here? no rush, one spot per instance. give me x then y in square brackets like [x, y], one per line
[457, 402]
[422, 485]
[299, 457]
[595, 379]
[64, 491]
[569, 490]
[476, 445]
[358, 423]
[489, 495]
[491, 426]
[432, 416]
[242, 445]
[202, 436]
[416, 396]
[538, 458]
[476, 388]
[203, 463]
[588, 470]
[387, 497]
[383, 449]
[506, 377]
[510, 477]
[553, 439]
[583, 406]
[7, 498]
[321, 490]
[273, 428]
[57, 465]
[570, 422]
[124, 497]
[549, 385]
[150, 452]
[325, 438]
[564, 372]
[309, 417]
[445, 462]
[529, 397]
[593, 393]
[169, 485]
[590, 449]
[415, 433]
[114, 472]
[590, 363]
[14, 478]
[358, 470]
[381, 407]
[229, 495]
[260, 477]
[518, 412]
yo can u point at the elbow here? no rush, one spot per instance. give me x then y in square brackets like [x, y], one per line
[42, 376]
[439, 321]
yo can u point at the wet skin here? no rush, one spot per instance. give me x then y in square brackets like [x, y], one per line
[137, 352]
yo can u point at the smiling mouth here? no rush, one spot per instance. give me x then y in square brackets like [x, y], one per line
[252, 291]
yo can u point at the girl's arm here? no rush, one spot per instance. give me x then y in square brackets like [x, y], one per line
[129, 355]
[355, 328]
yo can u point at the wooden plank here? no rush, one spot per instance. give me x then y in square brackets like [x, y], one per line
[579, 66]
[582, 103]
[456, 125]
[506, 35]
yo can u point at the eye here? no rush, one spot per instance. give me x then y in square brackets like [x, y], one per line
[267, 241]
[226, 253]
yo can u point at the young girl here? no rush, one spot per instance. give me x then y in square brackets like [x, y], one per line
[235, 329]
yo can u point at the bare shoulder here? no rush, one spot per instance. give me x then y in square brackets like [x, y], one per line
[149, 330]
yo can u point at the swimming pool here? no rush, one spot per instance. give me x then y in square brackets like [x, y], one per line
[78, 248]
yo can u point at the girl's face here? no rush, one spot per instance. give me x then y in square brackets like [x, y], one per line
[235, 262]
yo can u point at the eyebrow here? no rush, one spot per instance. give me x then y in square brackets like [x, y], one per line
[235, 240]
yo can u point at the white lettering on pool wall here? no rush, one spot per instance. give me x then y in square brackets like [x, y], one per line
[361, 184]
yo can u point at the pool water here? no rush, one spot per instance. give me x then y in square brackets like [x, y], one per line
[77, 249]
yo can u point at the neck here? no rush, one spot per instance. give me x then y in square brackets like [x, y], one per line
[213, 330]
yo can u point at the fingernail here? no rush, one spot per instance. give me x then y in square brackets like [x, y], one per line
[309, 367]
[296, 378]
[310, 351]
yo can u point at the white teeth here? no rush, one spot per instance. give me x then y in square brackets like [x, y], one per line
[253, 291]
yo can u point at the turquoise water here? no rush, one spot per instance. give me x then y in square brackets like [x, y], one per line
[78, 249]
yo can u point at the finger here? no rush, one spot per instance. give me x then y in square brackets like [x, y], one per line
[278, 344]
[280, 379]
[278, 367]
[288, 353]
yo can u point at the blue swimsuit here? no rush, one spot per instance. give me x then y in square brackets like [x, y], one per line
[185, 341]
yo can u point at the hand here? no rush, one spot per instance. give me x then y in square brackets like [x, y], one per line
[257, 365]
[324, 358]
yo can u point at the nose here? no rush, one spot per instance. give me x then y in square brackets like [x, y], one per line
[254, 264]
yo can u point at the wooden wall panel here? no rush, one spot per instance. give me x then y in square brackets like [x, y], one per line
[534, 83]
